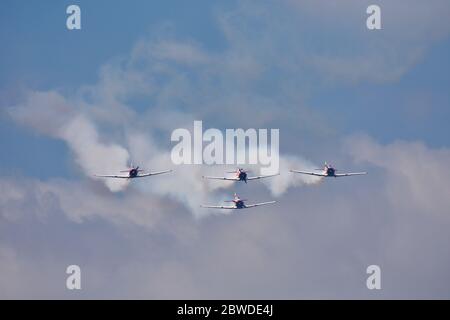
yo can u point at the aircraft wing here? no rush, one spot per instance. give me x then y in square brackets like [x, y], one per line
[350, 174]
[310, 173]
[112, 176]
[260, 177]
[219, 207]
[221, 178]
[258, 204]
[152, 173]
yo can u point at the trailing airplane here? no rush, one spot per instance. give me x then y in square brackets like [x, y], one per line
[133, 172]
[329, 171]
[238, 203]
[240, 175]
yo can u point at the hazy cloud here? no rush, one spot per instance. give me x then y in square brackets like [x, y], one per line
[316, 242]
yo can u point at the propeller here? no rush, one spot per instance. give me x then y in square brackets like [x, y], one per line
[326, 165]
[239, 169]
[131, 167]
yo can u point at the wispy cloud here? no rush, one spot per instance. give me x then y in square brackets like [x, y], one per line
[145, 238]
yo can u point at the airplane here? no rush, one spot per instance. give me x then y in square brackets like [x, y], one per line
[240, 175]
[329, 171]
[238, 203]
[133, 172]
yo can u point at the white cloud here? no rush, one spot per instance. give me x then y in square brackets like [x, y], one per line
[416, 175]
[329, 41]
[152, 247]
[51, 114]
[280, 184]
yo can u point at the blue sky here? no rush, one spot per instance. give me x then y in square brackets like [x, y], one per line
[74, 102]
[42, 54]
[39, 43]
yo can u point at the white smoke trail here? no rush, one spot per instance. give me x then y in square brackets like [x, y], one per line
[94, 156]
[185, 184]
[51, 114]
[278, 185]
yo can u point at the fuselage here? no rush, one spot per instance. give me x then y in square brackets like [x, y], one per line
[330, 171]
[239, 203]
[133, 173]
[241, 175]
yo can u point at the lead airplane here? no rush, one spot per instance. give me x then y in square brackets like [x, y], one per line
[133, 172]
[240, 175]
[329, 171]
[238, 203]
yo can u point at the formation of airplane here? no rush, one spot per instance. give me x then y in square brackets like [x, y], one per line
[240, 175]
[133, 172]
[329, 171]
[238, 203]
